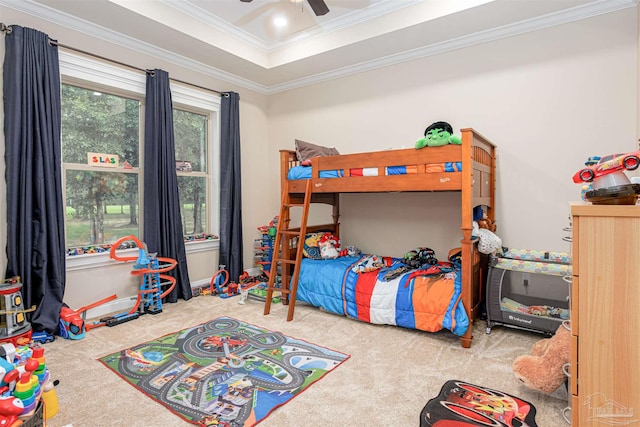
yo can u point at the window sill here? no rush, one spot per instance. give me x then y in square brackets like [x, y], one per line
[201, 245]
[85, 261]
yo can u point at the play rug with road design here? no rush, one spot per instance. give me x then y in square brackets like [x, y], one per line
[224, 372]
[461, 404]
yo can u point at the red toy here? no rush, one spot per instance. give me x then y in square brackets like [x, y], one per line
[219, 281]
[232, 290]
[10, 409]
[607, 165]
[14, 327]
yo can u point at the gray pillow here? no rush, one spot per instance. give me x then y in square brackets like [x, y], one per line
[305, 151]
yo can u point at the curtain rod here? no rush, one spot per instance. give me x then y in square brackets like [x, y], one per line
[7, 29]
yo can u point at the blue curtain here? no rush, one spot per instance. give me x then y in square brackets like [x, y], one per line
[162, 221]
[230, 187]
[35, 213]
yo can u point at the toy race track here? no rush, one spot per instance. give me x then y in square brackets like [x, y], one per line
[154, 284]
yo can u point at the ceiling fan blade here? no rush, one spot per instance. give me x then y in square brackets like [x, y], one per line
[319, 7]
[246, 1]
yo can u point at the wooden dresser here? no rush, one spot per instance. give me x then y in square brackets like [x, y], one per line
[605, 316]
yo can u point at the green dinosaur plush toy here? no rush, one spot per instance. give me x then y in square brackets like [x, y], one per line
[438, 133]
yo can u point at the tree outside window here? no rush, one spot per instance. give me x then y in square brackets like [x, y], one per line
[190, 134]
[102, 204]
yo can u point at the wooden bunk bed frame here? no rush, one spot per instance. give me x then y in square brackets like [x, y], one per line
[476, 184]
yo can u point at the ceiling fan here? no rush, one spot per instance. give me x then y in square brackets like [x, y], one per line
[319, 6]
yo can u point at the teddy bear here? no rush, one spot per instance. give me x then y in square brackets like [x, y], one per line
[542, 370]
[437, 134]
[487, 224]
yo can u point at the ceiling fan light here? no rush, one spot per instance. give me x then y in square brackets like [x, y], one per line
[280, 21]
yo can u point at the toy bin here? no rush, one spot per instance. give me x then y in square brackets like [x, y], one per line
[528, 290]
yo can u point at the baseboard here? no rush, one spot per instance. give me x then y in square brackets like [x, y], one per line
[253, 271]
[125, 304]
[115, 306]
[200, 283]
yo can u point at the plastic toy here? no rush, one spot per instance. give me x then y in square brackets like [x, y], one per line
[437, 134]
[418, 257]
[593, 160]
[28, 387]
[14, 326]
[606, 165]
[221, 286]
[24, 376]
[152, 282]
[10, 409]
[42, 337]
[71, 324]
[248, 283]
[605, 183]
[259, 293]
[219, 281]
[543, 369]
[50, 399]
[9, 377]
[231, 291]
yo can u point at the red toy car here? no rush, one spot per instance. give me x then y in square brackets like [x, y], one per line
[607, 165]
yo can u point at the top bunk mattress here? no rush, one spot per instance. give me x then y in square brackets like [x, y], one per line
[304, 172]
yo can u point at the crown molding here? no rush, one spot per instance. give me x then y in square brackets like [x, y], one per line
[46, 13]
[200, 14]
[569, 15]
[347, 20]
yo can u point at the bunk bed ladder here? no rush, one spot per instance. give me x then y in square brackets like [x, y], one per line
[282, 251]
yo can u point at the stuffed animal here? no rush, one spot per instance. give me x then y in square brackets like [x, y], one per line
[350, 250]
[543, 369]
[329, 246]
[487, 224]
[437, 134]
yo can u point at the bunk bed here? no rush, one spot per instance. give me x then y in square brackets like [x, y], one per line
[467, 168]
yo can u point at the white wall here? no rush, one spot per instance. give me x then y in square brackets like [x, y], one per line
[548, 99]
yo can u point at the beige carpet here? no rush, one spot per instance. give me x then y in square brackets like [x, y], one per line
[390, 376]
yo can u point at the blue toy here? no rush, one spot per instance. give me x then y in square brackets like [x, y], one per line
[219, 281]
[152, 282]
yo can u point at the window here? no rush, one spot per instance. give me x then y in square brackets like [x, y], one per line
[102, 146]
[101, 193]
[190, 133]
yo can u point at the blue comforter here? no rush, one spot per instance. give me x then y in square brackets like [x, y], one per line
[415, 300]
